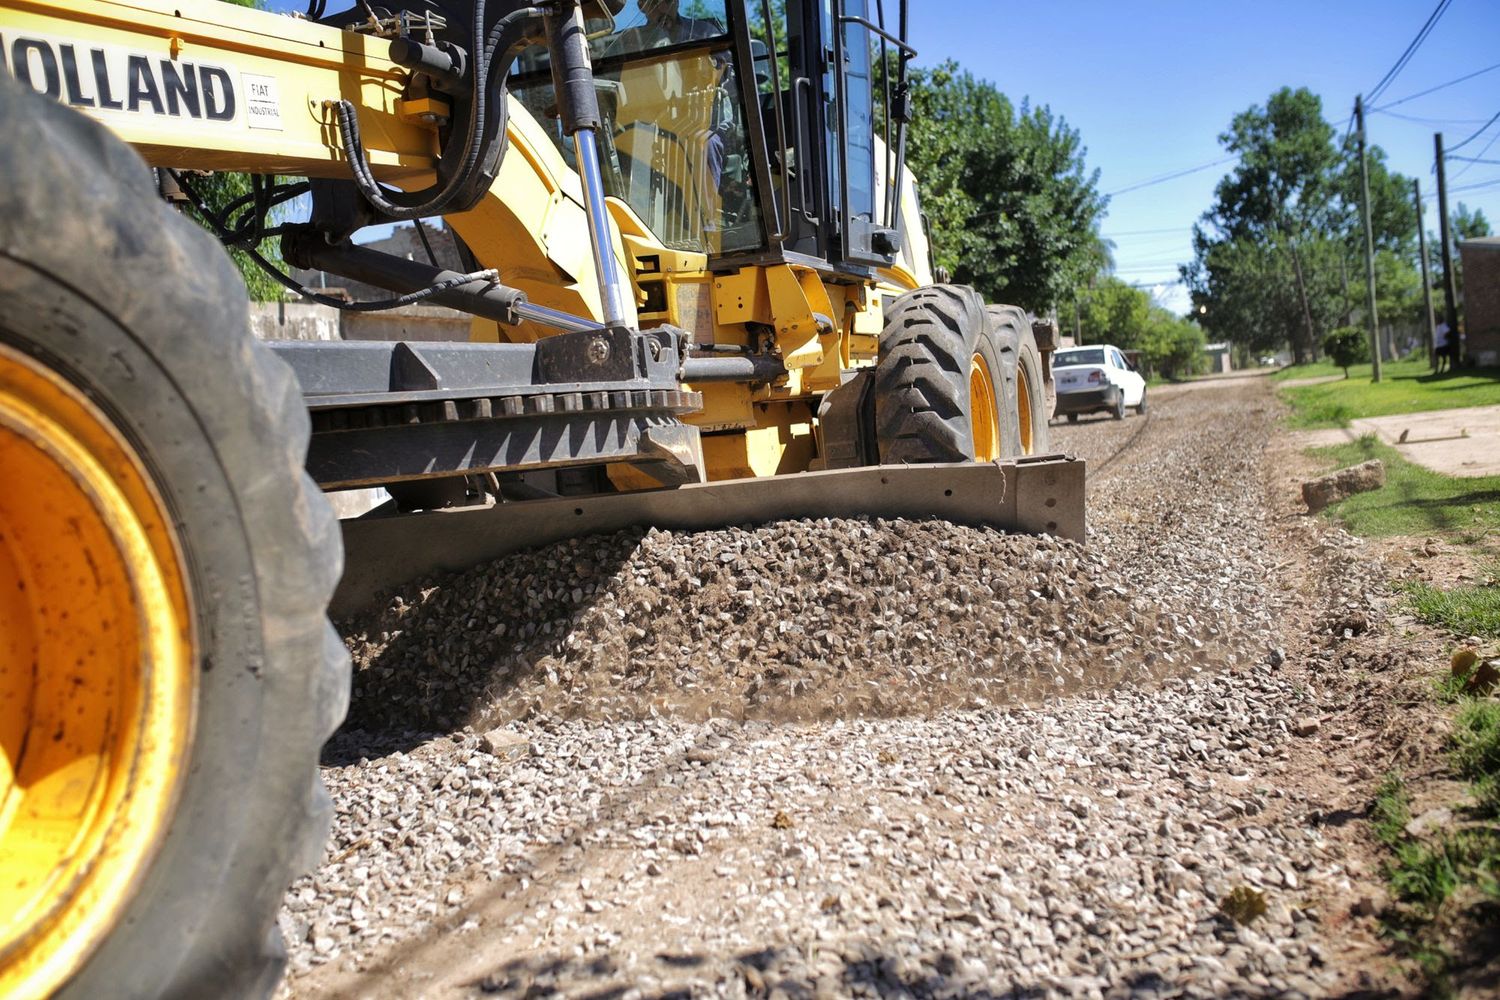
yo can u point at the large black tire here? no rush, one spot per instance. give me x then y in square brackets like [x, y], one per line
[1119, 411]
[1140, 408]
[142, 311]
[1023, 366]
[923, 412]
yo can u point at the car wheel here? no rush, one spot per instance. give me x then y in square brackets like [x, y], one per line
[1119, 411]
[1140, 407]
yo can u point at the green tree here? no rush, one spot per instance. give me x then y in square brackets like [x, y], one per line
[218, 190]
[1278, 259]
[1467, 225]
[1173, 347]
[1347, 345]
[1013, 208]
[1112, 312]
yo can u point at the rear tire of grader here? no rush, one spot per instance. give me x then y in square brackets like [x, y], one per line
[948, 384]
[1023, 378]
[167, 670]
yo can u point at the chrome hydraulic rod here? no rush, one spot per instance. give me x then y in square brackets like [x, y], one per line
[578, 106]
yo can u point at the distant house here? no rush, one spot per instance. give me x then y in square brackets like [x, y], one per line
[1218, 358]
[1481, 264]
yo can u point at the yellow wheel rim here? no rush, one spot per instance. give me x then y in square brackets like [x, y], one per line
[97, 677]
[1023, 405]
[983, 413]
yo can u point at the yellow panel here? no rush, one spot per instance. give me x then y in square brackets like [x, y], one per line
[726, 405]
[533, 228]
[249, 89]
[783, 445]
[741, 297]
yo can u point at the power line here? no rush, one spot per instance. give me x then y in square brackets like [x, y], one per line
[1476, 159]
[1411, 49]
[1427, 121]
[1143, 232]
[1441, 86]
[1162, 179]
[1476, 134]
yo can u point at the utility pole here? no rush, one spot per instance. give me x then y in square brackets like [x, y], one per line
[1077, 321]
[1450, 287]
[1431, 335]
[1364, 206]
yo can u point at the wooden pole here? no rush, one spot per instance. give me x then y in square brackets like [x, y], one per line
[1364, 211]
[1430, 330]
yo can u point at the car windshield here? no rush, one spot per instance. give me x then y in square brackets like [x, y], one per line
[1067, 359]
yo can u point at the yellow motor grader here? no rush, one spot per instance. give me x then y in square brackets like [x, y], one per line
[699, 294]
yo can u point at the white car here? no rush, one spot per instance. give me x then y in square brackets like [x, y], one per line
[1096, 379]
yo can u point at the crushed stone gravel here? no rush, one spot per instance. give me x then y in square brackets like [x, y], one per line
[844, 757]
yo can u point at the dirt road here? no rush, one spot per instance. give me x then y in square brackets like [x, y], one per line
[1032, 766]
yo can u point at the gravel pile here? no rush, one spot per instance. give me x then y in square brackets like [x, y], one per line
[793, 620]
[818, 755]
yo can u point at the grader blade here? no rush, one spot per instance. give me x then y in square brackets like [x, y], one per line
[1041, 494]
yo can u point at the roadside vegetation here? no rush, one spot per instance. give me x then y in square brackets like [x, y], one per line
[1440, 829]
[1443, 865]
[1406, 387]
[1468, 610]
[1415, 500]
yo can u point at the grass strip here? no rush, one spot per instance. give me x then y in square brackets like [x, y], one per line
[1446, 882]
[1415, 500]
[1405, 387]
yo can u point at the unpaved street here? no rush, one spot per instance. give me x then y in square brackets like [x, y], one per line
[871, 759]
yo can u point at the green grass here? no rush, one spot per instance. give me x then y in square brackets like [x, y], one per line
[1476, 752]
[1462, 610]
[1444, 882]
[1415, 500]
[1405, 387]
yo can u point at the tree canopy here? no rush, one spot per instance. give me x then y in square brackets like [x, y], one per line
[1116, 313]
[1278, 258]
[1012, 206]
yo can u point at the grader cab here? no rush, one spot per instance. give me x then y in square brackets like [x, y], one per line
[699, 295]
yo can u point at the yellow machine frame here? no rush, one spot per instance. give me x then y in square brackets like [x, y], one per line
[531, 227]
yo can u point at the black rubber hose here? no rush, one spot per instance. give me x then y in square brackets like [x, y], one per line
[354, 150]
[370, 305]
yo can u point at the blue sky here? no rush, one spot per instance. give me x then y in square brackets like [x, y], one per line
[1151, 84]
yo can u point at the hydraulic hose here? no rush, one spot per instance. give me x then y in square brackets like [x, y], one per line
[354, 151]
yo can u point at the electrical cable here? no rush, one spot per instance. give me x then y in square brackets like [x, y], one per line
[1441, 86]
[1476, 134]
[1427, 121]
[1171, 176]
[1411, 49]
[369, 305]
[422, 235]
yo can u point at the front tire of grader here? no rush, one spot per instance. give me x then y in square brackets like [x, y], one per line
[940, 382]
[167, 671]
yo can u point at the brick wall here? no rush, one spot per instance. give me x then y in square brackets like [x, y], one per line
[1481, 310]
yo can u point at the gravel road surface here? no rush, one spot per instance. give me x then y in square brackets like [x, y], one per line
[853, 757]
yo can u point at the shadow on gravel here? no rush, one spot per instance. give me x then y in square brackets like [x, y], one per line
[763, 973]
[795, 621]
[773, 972]
[410, 684]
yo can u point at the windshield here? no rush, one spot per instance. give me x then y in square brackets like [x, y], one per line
[1066, 359]
[674, 145]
